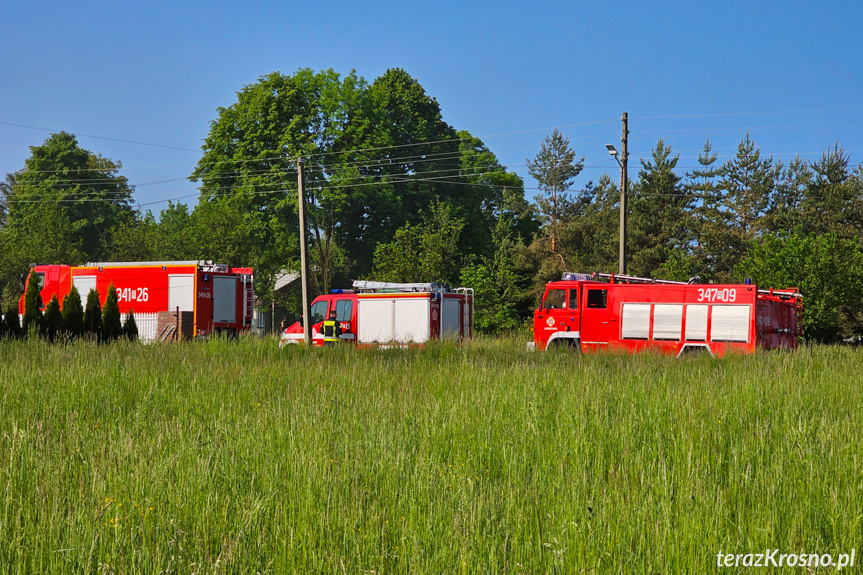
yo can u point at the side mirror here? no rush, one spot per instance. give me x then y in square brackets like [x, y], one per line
[21, 287]
[300, 321]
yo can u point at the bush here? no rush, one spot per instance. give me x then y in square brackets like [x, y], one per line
[11, 323]
[93, 315]
[53, 318]
[111, 326]
[73, 314]
[34, 322]
[130, 327]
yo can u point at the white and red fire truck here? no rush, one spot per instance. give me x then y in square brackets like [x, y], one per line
[391, 314]
[595, 312]
[219, 297]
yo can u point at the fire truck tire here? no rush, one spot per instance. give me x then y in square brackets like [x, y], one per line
[569, 346]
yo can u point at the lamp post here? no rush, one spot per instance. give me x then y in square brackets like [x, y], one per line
[624, 182]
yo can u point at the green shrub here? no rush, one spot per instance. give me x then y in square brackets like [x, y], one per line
[93, 315]
[53, 318]
[130, 327]
[73, 314]
[34, 322]
[111, 326]
[11, 323]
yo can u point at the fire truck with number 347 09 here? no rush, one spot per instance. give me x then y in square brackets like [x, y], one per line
[596, 312]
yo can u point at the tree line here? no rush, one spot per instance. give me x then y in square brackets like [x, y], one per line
[395, 193]
[52, 322]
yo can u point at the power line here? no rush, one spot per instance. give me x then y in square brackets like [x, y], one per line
[78, 134]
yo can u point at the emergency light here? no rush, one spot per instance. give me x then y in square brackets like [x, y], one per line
[575, 277]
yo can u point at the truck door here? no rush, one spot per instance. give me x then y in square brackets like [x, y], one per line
[554, 305]
[345, 316]
[595, 318]
[318, 314]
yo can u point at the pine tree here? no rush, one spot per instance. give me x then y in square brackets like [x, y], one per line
[111, 326]
[73, 314]
[702, 182]
[661, 222]
[554, 168]
[93, 315]
[33, 319]
[130, 327]
[53, 318]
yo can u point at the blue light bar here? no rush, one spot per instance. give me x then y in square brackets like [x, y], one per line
[575, 277]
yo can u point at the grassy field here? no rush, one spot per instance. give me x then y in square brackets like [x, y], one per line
[238, 457]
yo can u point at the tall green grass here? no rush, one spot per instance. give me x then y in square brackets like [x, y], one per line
[238, 457]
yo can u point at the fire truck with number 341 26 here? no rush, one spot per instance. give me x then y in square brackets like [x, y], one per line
[596, 312]
[217, 297]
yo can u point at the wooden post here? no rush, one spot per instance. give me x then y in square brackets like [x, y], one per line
[304, 264]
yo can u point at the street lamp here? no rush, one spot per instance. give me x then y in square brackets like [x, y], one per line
[621, 160]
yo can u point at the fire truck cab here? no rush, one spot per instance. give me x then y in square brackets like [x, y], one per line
[582, 312]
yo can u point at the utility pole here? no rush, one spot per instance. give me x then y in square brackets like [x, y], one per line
[624, 184]
[304, 264]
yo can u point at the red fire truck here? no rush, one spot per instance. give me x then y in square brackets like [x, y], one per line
[594, 312]
[219, 297]
[391, 314]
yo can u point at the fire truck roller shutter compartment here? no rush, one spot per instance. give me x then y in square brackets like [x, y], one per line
[377, 323]
[84, 284]
[451, 314]
[181, 292]
[635, 323]
[411, 320]
[696, 322]
[224, 299]
[667, 321]
[730, 323]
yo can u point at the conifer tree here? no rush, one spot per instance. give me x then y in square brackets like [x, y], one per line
[130, 327]
[554, 168]
[111, 326]
[33, 319]
[93, 315]
[73, 314]
[53, 318]
[12, 323]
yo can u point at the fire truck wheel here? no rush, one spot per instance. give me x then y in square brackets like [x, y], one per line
[567, 346]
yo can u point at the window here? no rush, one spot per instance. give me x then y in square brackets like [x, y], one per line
[319, 311]
[573, 299]
[597, 298]
[555, 299]
[344, 310]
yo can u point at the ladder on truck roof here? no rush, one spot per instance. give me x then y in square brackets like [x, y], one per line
[204, 265]
[370, 287]
[792, 293]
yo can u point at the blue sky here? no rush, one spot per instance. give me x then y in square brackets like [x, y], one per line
[155, 72]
